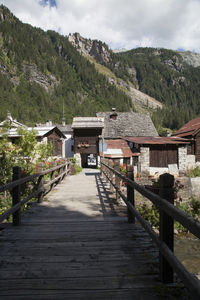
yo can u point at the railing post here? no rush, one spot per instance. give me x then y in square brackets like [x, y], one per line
[64, 169]
[16, 196]
[117, 179]
[166, 227]
[40, 183]
[106, 170]
[101, 173]
[130, 192]
[52, 175]
[59, 172]
[111, 176]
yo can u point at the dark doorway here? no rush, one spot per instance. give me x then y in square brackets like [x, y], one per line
[89, 161]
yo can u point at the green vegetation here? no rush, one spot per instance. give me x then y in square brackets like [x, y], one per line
[192, 207]
[42, 71]
[194, 172]
[74, 168]
[26, 153]
[151, 212]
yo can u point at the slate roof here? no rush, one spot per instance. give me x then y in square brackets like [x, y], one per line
[117, 148]
[41, 131]
[127, 124]
[159, 140]
[65, 129]
[190, 128]
[87, 122]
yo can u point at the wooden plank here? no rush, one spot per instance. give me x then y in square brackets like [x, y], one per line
[117, 294]
[80, 269]
[82, 283]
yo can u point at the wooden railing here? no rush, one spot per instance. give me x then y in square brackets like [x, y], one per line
[168, 263]
[40, 188]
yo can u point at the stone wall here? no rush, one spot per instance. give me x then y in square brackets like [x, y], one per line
[191, 162]
[194, 186]
[182, 159]
[144, 157]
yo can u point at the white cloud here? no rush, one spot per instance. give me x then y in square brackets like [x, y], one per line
[120, 23]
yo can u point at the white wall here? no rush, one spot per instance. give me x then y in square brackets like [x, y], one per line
[69, 142]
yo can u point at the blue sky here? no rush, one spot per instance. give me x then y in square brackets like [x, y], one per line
[51, 3]
[172, 24]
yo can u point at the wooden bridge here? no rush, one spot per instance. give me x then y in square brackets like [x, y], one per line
[77, 244]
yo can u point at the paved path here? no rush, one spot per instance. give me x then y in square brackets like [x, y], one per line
[77, 244]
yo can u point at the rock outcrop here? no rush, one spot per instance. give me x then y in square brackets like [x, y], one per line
[32, 74]
[191, 58]
[94, 48]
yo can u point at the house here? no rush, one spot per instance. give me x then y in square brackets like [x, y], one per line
[191, 131]
[157, 155]
[45, 134]
[51, 135]
[69, 141]
[87, 132]
[117, 149]
[66, 129]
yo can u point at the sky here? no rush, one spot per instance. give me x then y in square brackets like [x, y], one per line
[171, 24]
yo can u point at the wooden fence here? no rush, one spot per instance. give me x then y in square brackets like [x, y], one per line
[40, 188]
[168, 262]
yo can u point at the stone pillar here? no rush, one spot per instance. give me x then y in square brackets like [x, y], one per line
[77, 156]
[144, 159]
[182, 159]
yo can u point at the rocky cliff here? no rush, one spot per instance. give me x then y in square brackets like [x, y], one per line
[94, 48]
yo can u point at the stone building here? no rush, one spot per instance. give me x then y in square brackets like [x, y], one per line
[157, 155]
[117, 124]
[191, 131]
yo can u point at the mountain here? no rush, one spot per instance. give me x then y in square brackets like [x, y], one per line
[43, 76]
[99, 54]
[170, 77]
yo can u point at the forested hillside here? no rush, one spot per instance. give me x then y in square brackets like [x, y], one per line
[166, 76]
[40, 71]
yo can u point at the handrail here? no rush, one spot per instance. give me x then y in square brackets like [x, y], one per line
[20, 181]
[39, 189]
[176, 213]
[190, 280]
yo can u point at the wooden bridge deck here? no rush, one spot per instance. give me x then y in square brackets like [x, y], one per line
[77, 245]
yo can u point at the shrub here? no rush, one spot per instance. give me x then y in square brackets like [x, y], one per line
[150, 214]
[194, 172]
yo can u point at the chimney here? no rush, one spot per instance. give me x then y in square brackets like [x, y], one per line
[49, 123]
[63, 122]
[9, 117]
[113, 115]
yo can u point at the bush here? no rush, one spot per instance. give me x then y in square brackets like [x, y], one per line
[78, 169]
[150, 214]
[194, 172]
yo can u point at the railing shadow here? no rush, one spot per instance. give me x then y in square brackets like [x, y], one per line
[109, 205]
